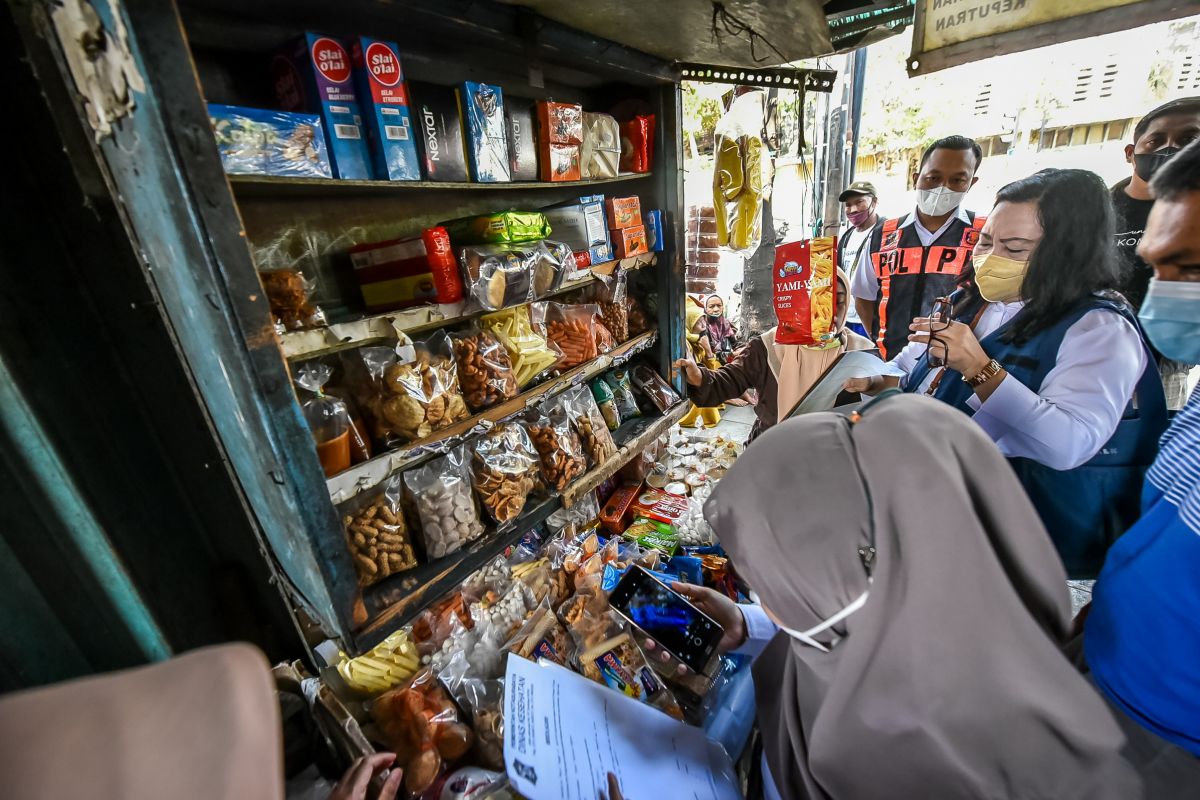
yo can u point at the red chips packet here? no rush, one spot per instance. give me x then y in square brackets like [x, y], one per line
[805, 297]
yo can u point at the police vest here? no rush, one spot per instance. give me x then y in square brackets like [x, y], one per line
[912, 276]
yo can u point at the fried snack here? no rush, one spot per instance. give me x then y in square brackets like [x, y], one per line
[287, 294]
[821, 296]
[378, 537]
[589, 424]
[388, 664]
[558, 447]
[542, 636]
[484, 369]
[572, 329]
[528, 350]
[504, 469]
[616, 319]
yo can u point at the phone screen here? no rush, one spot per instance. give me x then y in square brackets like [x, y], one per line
[667, 617]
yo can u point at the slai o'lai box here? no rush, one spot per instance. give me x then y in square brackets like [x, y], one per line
[383, 97]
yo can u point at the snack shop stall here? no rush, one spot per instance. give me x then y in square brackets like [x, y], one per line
[419, 267]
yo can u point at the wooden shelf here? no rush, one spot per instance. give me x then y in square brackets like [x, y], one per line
[369, 474]
[278, 186]
[376, 328]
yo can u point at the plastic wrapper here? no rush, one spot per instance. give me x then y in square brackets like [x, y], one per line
[504, 469]
[485, 372]
[639, 323]
[529, 351]
[501, 616]
[556, 261]
[560, 127]
[543, 580]
[642, 465]
[654, 388]
[482, 106]
[692, 528]
[571, 328]
[610, 295]
[601, 156]
[589, 423]
[542, 636]
[383, 667]
[288, 294]
[738, 174]
[498, 276]
[327, 418]
[421, 725]
[255, 141]
[585, 512]
[440, 493]
[436, 624]
[637, 144]
[503, 227]
[603, 395]
[485, 700]
[622, 391]
[557, 445]
[804, 296]
[377, 534]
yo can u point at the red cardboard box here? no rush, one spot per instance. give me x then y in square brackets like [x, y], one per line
[560, 136]
[623, 212]
[628, 242]
[616, 510]
[407, 272]
[659, 506]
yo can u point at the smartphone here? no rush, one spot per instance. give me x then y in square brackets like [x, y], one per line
[667, 617]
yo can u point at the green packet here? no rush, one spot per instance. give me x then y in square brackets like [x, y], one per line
[667, 545]
[503, 227]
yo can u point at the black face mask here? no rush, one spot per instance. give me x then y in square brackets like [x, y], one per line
[1146, 164]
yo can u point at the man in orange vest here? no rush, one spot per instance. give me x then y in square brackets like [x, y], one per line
[918, 258]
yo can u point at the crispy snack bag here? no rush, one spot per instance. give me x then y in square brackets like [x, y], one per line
[805, 298]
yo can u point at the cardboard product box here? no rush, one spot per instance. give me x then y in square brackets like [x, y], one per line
[652, 219]
[440, 134]
[399, 273]
[560, 140]
[254, 141]
[314, 76]
[628, 242]
[623, 212]
[582, 227]
[522, 138]
[481, 106]
[383, 98]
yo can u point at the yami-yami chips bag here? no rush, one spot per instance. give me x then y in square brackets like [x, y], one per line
[805, 297]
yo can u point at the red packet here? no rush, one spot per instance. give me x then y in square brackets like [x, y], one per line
[805, 295]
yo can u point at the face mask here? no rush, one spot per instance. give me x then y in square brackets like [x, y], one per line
[999, 279]
[939, 201]
[1146, 164]
[1171, 317]
[858, 217]
[807, 636]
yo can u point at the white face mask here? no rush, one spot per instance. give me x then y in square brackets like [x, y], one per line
[939, 201]
[807, 636]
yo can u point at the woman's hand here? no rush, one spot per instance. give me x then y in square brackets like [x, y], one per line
[953, 342]
[353, 785]
[723, 610]
[691, 370]
[871, 386]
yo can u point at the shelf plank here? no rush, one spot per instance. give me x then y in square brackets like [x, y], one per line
[371, 473]
[276, 186]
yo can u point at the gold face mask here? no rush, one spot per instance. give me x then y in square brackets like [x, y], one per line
[999, 279]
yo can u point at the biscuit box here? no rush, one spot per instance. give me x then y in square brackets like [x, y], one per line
[628, 242]
[481, 106]
[253, 141]
[440, 134]
[659, 506]
[314, 75]
[383, 100]
[560, 136]
[407, 272]
[581, 226]
[624, 212]
[522, 138]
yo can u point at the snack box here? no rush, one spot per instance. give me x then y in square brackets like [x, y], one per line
[667, 544]
[399, 273]
[623, 212]
[654, 230]
[254, 141]
[613, 515]
[629, 241]
[560, 136]
[383, 99]
[659, 506]
[314, 76]
[440, 135]
[522, 138]
[481, 106]
[581, 226]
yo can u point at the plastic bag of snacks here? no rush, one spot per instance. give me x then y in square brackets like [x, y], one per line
[504, 469]
[622, 390]
[654, 388]
[605, 341]
[548, 272]
[601, 155]
[557, 444]
[585, 511]
[485, 700]
[610, 295]
[570, 328]
[637, 144]
[498, 276]
[502, 615]
[603, 394]
[377, 534]
[495, 576]
[327, 418]
[386, 665]
[529, 351]
[542, 636]
[288, 295]
[539, 574]
[738, 174]
[639, 323]
[440, 493]
[804, 292]
[589, 423]
[484, 369]
[420, 724]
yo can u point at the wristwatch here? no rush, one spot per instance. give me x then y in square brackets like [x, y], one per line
[990, 370]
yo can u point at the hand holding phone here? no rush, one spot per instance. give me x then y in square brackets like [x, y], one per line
[668, 618]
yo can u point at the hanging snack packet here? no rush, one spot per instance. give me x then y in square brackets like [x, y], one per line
[440, 492]
[805, 299]
[558, 446]
[738, 174]
[504, 469]
[637, 144]
[327, 418]
[377, 533]
[654, 388]
[484, 369]
[570, 328]
[529, 351]
[593, 431]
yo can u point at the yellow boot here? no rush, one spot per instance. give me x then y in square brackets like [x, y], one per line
[689, 419]
[711, 417]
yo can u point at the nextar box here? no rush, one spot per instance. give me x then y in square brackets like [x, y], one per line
[384, 100]
[314, 76]
[440, 132]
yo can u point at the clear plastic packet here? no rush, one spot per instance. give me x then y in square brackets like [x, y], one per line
[530, 353]
[484, 369]
[500, 617]
[327, 417]
[605, 341]
[622, 391]
[654, 388]
[288, 293]
[440, 622]
[738, 174]
[504, 470]
[543, 579]
[550, 270]
[602, 393]
[557, 445]
[421, 725]
[495, 576]
[499, 276]
[639, 323]
[485, 700]
[542, 636]
[585, 511]
[601, 155]
[385, 666]
[589, 423]
[571, 328]
[611, 294]
[440, 494]
[377, 533]
[450, 635]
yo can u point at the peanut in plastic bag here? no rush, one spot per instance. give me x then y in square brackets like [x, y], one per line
[377, 534]
[738, 174]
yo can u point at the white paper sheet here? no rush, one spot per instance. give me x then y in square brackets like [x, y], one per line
[854, 364]
[563, 734]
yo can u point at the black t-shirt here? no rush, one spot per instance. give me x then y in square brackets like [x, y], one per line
[1131, 222]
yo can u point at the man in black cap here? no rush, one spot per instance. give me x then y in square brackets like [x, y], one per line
[1159, 135]
[860, 201]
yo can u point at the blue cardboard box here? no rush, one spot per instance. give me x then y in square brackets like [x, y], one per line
[254, 141]
[315, 76]
[383, 98]
[654, 229]
[481, 106]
